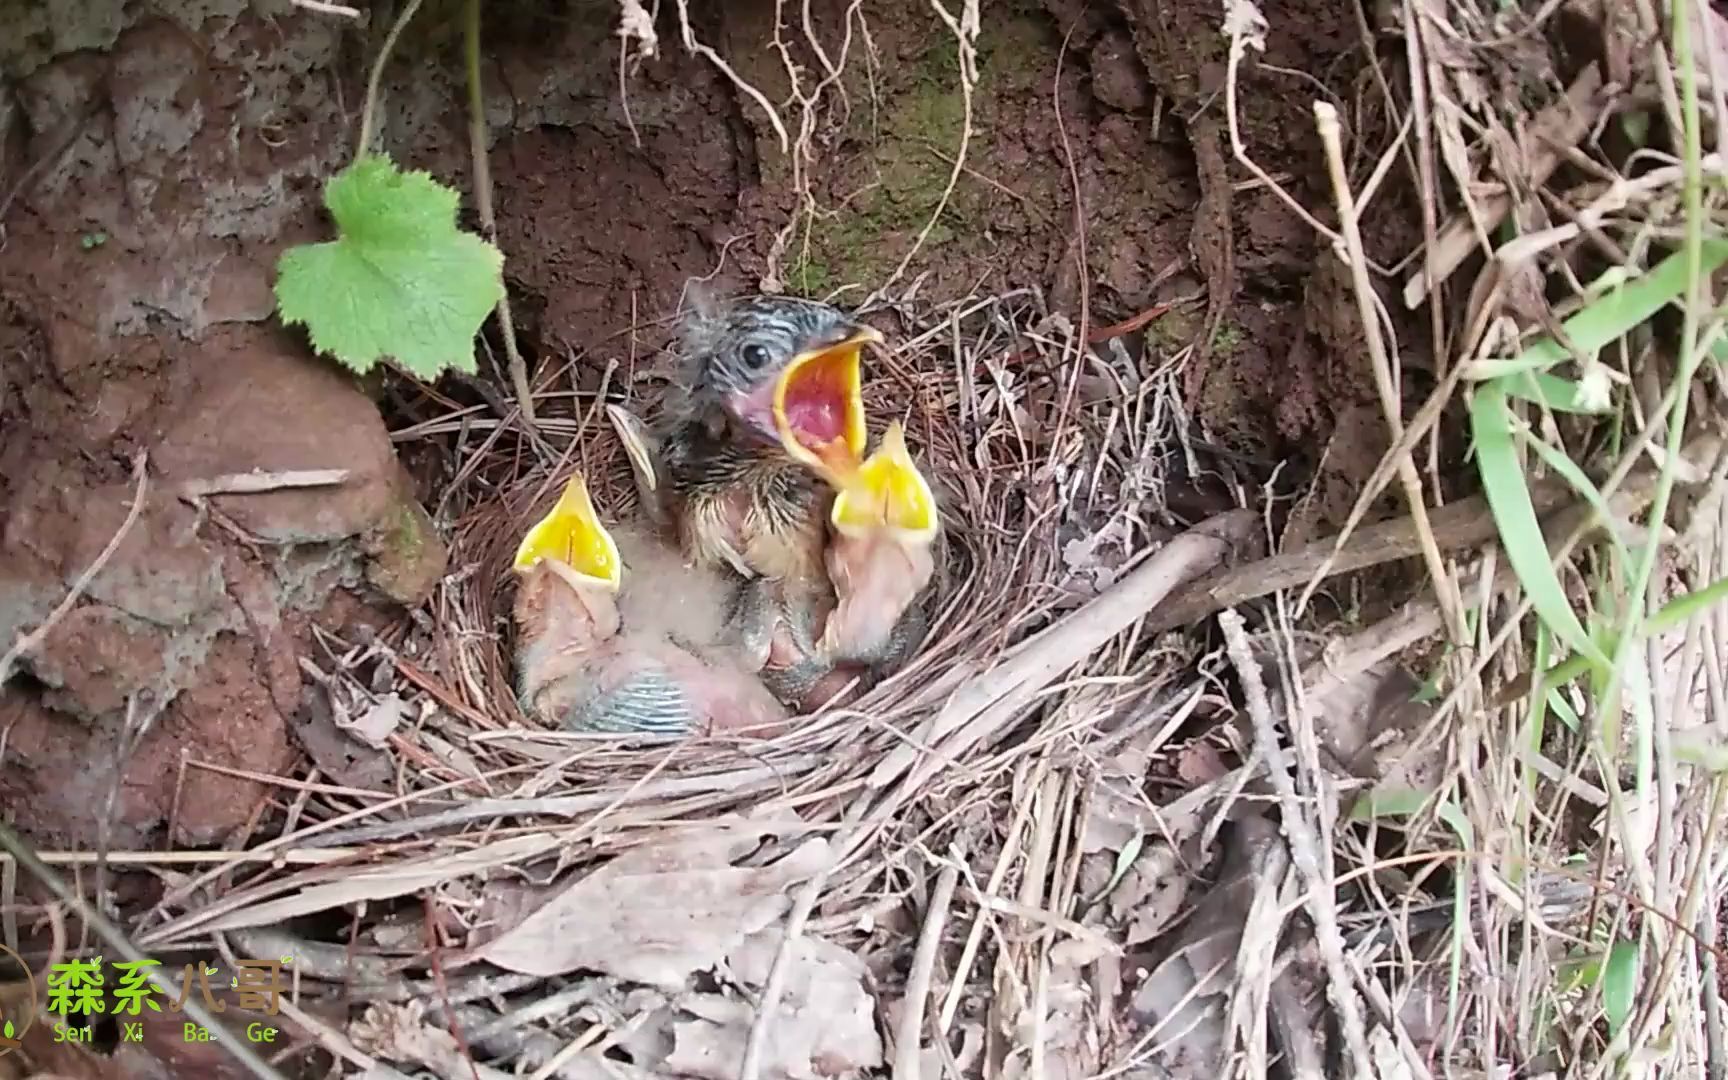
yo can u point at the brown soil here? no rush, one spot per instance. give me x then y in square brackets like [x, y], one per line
[156, 166]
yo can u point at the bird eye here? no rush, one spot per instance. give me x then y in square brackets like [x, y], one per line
[756, 356]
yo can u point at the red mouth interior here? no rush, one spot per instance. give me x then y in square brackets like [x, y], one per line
[815, 409]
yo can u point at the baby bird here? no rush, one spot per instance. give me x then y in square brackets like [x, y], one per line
[717, 473]
[881, 557]
[593, 656]
[885, 542]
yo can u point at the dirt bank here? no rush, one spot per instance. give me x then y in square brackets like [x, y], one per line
[159, 158]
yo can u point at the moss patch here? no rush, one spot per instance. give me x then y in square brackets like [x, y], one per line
[1228, 338]
[864, 234]
[407, 556]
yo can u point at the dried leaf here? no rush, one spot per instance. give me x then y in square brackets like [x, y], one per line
[1117, 812]
[1185, 992]
[1388, 1062]
[402, 1033]
[634, 23]
[659, 912]
[1071, 1049]
[377, 723]
[825, 1026]
[1199, 762]
[452, 755]
[1244, 19]
[1095, 560]
[343, 759]
[504, 903]
[1151, 894]
[1367, 719]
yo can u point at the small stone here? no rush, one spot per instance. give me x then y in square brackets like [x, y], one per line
[407, 556]
[1118, 78]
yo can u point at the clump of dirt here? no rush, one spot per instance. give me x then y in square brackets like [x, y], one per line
[1282, 365]
[168, 161]
[191, 626]
[171, 158]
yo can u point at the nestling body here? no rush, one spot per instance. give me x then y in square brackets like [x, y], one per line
[716, 474]
[597, 654]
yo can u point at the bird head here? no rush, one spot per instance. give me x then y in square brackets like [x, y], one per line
[788, 371]
[883, 495]
[567, 558]
[883, 553]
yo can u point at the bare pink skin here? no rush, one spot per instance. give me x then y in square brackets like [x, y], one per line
[876, 579]
[574, 646]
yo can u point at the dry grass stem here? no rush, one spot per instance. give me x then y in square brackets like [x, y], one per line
[1451, 604]
[908, 1036]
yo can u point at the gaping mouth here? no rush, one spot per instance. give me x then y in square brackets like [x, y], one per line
[886, 492]
[819, 406]
[571, 535]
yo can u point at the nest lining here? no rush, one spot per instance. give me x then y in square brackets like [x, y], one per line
[1000, 486]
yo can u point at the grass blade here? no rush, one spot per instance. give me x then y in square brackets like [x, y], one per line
[1620, 984]
[1515, 517]
[1623, 308]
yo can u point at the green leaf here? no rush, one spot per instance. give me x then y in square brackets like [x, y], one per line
[1515, 517]
[1578, 970]
[401, 281]
[1572, 474]
[1636, 126]
[1687, 606]
[1562, 708]
[1395, 801]
[1124, 862]
[1561, 395]
[1623, 308]
[1705, 746]
[7, 1030]
[1620, 984]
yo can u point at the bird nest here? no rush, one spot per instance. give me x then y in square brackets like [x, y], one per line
[692, 850]
[999, 492]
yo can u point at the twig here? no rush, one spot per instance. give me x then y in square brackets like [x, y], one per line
[483, 204]
[1716, 1053]
[1247, 27]
[256, 483]
[965, 31]
[908, 1035]
[1076, 341]
[139, 720]
[324, 8]
[369, 110]
[338, 1043]
[117, 940]
[34, 638]
[697, 48]
[1099, 334]
[43, 164]
[1428, 188]
[983, 703]
[434, 950]
[1006, 858]
[290, 857]
[1304, 850]
[1459, 526]
[1451, 604]
[1561, 124]
[553, 1007]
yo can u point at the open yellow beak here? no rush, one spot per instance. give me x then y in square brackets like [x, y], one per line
[819, 406]
[887, 492]
[572, 535]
